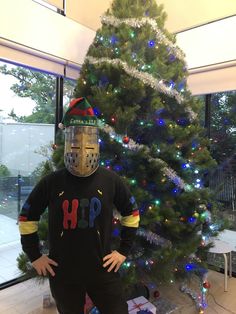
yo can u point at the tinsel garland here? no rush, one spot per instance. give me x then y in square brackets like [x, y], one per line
[146, 78]
[140, 21]
[153, 238]
[200, 302]
[170, 173]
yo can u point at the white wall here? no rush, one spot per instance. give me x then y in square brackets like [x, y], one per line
[209, 44]
[19, 143]
[30, 24]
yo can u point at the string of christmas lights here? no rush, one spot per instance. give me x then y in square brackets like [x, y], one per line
[140, 21]
[170, 173]
[146, 78]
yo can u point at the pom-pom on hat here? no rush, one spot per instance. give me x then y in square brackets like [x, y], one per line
[79, 113]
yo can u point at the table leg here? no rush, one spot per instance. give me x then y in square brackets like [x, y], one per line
[230, 264]
[226, 272]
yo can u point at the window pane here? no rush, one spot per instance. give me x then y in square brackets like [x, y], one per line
[27, 118]
[68, 88]
[201, 103]
[223, 148]
[223, 125]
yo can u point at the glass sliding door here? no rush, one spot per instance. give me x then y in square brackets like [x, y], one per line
[27, 117]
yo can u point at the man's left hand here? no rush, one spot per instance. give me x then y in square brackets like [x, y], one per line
[115, 259]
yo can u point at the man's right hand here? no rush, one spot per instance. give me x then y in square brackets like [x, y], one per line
[42, 265]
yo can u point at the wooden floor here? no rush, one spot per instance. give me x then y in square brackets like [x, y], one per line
[27, 298]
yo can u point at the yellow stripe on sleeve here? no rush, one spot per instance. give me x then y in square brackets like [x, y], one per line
[28, 227]
[130, 221]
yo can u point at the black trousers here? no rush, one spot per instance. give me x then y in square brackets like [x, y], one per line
[104, 289]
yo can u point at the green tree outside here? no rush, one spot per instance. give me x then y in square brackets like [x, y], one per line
[41, 88]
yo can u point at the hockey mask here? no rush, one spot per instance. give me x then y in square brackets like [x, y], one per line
[81, 154]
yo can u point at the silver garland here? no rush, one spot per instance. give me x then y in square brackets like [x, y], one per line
[137, 23]
[146, 78]
[153, 238]
[194, 296]
[170, 173]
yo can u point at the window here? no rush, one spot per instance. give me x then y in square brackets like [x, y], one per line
[55, 5]
[27, 117]
[223, 125]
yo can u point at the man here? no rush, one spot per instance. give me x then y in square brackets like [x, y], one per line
[80, 199]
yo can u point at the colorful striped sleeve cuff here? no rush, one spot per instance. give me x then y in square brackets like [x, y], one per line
[131, 220]
[28, 227]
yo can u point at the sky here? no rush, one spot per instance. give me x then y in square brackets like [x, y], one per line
[9, 100]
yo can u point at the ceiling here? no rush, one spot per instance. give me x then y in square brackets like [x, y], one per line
[182, 14]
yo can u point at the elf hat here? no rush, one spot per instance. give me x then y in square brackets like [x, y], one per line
[79, 113]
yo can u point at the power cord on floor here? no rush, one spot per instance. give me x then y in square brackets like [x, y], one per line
[210, 306]
[220, 304]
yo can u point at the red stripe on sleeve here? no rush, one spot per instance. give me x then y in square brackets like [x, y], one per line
[22, 218]
[135, 213]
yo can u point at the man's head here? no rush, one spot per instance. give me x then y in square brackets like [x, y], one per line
[81, 154]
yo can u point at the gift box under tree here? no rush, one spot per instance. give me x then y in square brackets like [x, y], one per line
[141, 305]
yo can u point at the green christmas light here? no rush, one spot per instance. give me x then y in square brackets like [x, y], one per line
[132, 34]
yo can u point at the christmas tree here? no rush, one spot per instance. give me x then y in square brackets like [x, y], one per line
[134, 76]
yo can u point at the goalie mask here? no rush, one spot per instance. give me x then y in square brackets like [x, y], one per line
[81, 154]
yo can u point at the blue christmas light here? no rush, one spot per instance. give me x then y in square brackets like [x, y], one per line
[190, 267]
[204, 305]
[183, 121]
[113, 40]
[94, 311]
[194, 144]
[181, 86]
[171, 84]
[185, 165]
[117, 168]
[160, 122]
[172, 58]
[151, 43]
[116, 232]
[107, 162]
[226, 121]
[192, 219]
[96, 111]
[175, 191]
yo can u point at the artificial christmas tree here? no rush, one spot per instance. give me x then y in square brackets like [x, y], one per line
[135, 77]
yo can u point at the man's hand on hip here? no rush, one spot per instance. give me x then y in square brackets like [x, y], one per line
[115, 259]
[43, 265]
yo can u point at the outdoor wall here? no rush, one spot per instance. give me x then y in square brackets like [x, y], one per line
[20, 144]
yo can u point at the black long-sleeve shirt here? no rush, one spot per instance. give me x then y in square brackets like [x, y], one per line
[80, 214]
